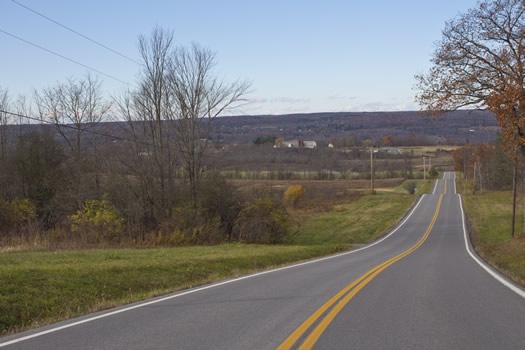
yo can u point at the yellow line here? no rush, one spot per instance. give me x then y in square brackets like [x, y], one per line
[358, 284]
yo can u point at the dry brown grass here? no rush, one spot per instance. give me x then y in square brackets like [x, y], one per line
[319, 194]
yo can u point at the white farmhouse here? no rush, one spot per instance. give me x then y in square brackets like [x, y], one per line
[310, 144]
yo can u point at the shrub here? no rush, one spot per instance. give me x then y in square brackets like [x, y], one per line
[194, 226]
[262, 222]
[294, 194]
[38, 160]
[97, 221]
[410, 186]
[220, 199]
[433, 173]
[16, 213]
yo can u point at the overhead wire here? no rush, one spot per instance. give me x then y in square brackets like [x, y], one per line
[76, 32]
[70, 126]
[73, 127]
[65, 58]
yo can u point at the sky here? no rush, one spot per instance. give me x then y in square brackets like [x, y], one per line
[300, 56]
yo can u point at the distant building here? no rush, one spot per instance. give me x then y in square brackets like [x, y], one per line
[297, 144]
[390, 150]
[310, 144]
[292, 144]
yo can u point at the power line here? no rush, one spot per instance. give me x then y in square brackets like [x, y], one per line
[76, 32]
[64, 57]
[73, 127]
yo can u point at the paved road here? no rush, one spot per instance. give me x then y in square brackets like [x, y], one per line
[418, 288]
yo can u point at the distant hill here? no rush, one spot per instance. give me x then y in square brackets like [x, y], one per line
[458, 127]
[402, 128]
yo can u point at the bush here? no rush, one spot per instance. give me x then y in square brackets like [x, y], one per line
[410, 186]
[220, 199]
[262, 222]
[433, 173]
[15, 214]
[193, 226]
[98, 221]
[294, 194]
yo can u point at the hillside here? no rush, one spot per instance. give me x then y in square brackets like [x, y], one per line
[345, 128]
[405, 128]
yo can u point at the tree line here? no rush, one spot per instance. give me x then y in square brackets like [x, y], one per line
[74, 183]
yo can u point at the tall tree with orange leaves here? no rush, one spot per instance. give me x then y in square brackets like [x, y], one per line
[480, 62]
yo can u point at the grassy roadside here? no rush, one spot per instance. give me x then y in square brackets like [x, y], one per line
[422, 187]
[490, 217]
[43, 287]
[358, 222]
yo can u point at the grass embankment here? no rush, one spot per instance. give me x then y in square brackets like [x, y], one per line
[358, 222]
[490, 216]
[42, 287]
[422, 187]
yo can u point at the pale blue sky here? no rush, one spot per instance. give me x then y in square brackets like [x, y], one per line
[302, 56]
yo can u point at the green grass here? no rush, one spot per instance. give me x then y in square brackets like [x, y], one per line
[355, 223]
[490, 215]
[422, 187]
[42, 287]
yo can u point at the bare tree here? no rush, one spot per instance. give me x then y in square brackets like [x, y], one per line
[4, 121]
[197, 97]
[141, 173]
[23, 107]
[151, 106]
[77, 103]
[480, 62]
[4, 134]
[150, 158]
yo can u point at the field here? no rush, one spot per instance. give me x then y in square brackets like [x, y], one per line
[40, 287]
[358, 222]
[490, 216]
[424, 150]
[315, 190]
[263, 162]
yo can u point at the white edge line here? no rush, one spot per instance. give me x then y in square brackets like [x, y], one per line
[485, 267]
[435, 186]
[52, 330]
[455, 189]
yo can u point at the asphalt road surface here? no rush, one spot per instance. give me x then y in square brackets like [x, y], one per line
[418, 288]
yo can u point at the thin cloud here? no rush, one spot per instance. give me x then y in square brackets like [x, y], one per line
[341, 98]
[279, 100]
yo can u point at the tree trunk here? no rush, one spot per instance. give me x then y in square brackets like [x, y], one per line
[514, 190]
[523, 227]
[480, 177]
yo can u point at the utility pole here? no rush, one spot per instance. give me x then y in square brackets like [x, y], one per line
[372, 169]
[474, 180]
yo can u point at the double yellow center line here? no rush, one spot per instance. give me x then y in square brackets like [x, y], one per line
[344, 296]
